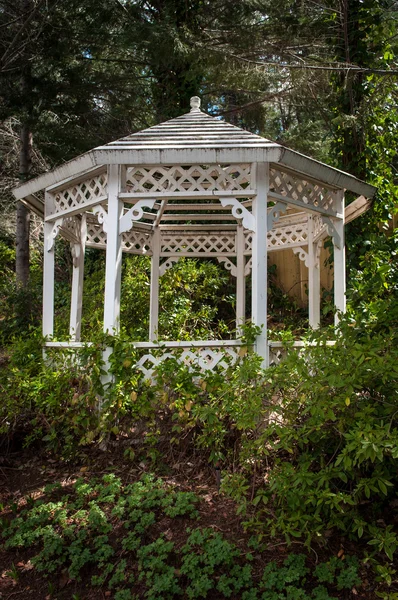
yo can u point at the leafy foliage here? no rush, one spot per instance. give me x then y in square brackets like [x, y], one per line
[74, 529]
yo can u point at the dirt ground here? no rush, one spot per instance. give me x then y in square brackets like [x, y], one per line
[25, 473]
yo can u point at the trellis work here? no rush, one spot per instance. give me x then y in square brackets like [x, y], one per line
[193, 186]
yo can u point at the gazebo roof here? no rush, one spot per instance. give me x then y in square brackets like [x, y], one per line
[193, 138]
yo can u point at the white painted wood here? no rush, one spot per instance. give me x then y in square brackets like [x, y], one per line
[76, 179]
[135, 213]
[189, 155]
[154, 292]
[200, 195]
[48, 282]
[240, 280]
[339, 262]
[76, 210]
[74, 167]
[34, 204]
[334, 177]
[76, 305]
[113, 254]
[300, 204]
[189, 344]
[259, 264]
[314, 278]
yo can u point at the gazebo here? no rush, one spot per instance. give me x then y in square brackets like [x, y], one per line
[194, 186]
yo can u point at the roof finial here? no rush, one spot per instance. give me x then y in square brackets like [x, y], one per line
[195, 104]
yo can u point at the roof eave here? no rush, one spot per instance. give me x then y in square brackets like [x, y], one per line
[78, 165]
[186, 155]
[329, 175]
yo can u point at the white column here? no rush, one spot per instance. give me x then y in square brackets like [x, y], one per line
[314, 279]
[259, 268]
[339, 259]
[76, 304]
[154, 294]
[113, 263]
[48, 281]
[240, 279]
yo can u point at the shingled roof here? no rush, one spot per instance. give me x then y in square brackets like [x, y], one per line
[193, 138]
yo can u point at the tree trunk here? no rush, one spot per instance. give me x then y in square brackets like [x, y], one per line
[25, 161]
[23, 214]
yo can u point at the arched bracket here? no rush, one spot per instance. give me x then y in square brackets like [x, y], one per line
[228, 264]
[54, 232]
[240, 212]
[332, 231]
[134, 214]
[274, 214]
[102, 217]
[302, 254]
[168, 264]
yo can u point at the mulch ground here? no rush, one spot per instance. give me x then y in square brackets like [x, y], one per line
[25, 473]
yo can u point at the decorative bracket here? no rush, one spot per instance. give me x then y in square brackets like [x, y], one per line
[54, 232]
[228, 264]
[248, 267]
[102, 217]
[302, 254]
[319, 246]
[332, 231]
[274, 214]
[168, 264]
[240, 212]
[134, 214]
[76, 251]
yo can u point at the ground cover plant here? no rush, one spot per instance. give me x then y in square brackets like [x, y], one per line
[109, 534]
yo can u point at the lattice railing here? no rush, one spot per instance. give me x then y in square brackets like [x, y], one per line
[82, 193]
[198, 243]
[183, 178]
[307, 192]
[197, 355]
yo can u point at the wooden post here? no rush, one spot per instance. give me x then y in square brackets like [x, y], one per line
[339, 260]
[154, 293]
[259, 268]
[48, 281]
[113, 263]
[314, 279]
[240, 279]
[76, 304]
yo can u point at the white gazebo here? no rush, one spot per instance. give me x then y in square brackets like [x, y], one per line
[194, 186]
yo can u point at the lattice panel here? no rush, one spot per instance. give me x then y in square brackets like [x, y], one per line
[320, 229]
[133, 241]
[137, 242]
[96, 236]
[207, 359]
[248, 243]
[287, 236]
[311, 194]
[276, 355]
[194, 178]
[209, 243]
[81, 193]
